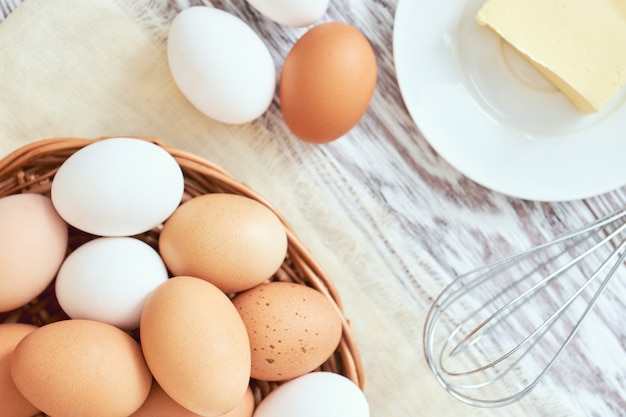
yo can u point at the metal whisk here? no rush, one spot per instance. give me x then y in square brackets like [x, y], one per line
[492, 334]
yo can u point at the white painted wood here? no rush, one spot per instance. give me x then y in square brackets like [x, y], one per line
[394, 223]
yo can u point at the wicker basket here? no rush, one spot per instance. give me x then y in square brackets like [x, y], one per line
[31, 168]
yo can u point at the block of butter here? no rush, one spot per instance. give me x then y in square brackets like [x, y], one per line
[579, 45]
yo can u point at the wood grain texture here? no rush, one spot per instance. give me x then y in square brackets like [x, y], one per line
[415, 223]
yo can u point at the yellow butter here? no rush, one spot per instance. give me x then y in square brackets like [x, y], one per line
[579, 45]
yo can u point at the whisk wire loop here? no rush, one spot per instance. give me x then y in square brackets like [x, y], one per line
[487, 336]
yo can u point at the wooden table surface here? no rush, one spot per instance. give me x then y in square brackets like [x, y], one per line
[425, 223]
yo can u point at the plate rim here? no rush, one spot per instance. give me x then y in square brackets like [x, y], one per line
[554, 191]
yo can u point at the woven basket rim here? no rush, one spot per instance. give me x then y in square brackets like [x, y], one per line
[16, 176]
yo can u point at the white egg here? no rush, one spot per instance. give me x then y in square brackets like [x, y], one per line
[108, 279]
[317, 394]
[117, 187]
[220, 64]
[296, 13]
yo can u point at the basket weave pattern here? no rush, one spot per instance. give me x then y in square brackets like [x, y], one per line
[31, 169]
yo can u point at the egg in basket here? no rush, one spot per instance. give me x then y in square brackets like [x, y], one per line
[138, 279]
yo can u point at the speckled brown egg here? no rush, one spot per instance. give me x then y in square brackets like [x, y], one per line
[196, 345]
[327, 81]
[81, 368]
[231, 241]
[159, 404]
[293, 329]
[12, 402]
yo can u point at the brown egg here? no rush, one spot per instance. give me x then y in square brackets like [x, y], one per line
[293, 329]
[196, 345]
[33, 243]
[159, 404]
[234, 242]
[81, 368]
[327, 81]
[12, 402]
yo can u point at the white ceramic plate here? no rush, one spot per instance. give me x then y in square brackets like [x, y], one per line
[493, 117]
